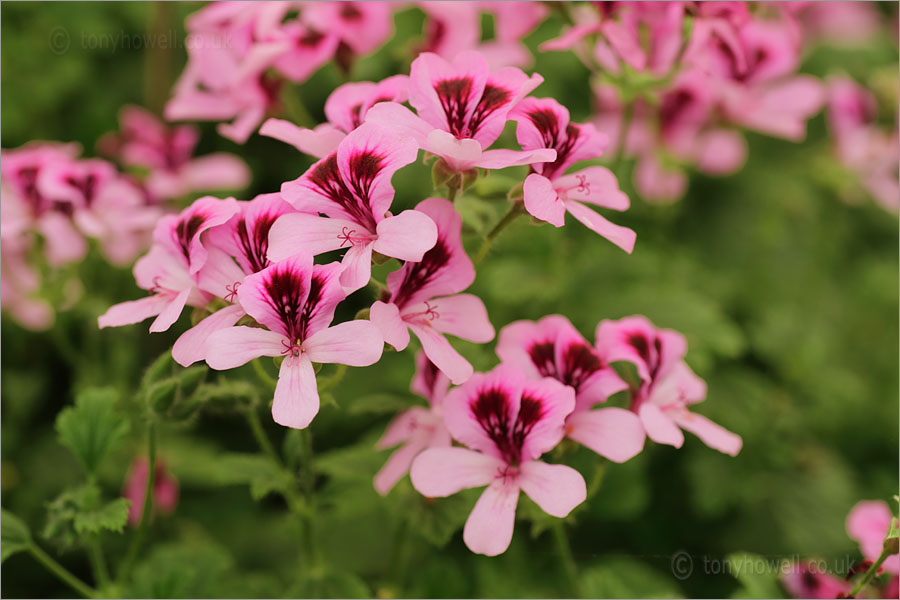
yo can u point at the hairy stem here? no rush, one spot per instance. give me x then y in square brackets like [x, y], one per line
[138, 538]
[511, 215]
[564, 553]
[61, 572]
[98, 563]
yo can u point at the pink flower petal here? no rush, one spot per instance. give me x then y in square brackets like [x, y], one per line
[441, 472]
[397, 466]
[401, 120]
[501, 159]
[387, 318]
[190, 346]
[300, 233]
[318, 142]
[357, 267]
[442, 354]
[402, 427]
[556, 402]
[254, 295]
[542, 201]
[218, 171]
[296, 401]
[614, 433]
[355, 343]
[489, 528]
[170, 312]
[235, 346]
[713, 435]
[660, 428]
[134, 311]
[464, 316]
[620, 236]
[557, 489]
[406, 236]
[594, 185]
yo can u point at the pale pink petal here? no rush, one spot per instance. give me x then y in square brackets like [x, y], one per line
[868, 524]
[464, 316]
[594, 185]
[556, 402]
[190, 347]
[387, 318]
[406, 236]
[557, 489]
[713, 435]
[296, 401]
[542, 201]
[442, 354]
[489, 528]
[441, 472]
[501, 159]
[63, 242]
[720, 152]
[355, 343]
[622, 237]
[402, 428]
[357, 267]
[134, 311]
[297, 233]
[397, 466]
[660, 428]
[425, 75]
[218, 171]
[614, 433]
[235, 346]
[657, 183]
[401, 120]
[170, 312]
[461, 154]
[519, 344]
[318, 142]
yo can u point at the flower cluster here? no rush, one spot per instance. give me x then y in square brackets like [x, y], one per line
[550, 385]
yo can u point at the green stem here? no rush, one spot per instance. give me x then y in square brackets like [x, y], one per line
[597, 479]
[307, 486]
[138, 538]
[61, 572]
[330, 382]
[295, 108]
[402, 545]
[98, 562]
[261, 373]
[511, 215]
[158, 56]
[564, 552]
[260, 435]
[869, 574]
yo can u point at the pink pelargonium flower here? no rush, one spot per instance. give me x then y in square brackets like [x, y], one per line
[345, 110]
[808, 580]
[235, 249]
[168, 153]
[295, 301]
[417, 428]
[361, 26]
[168, 271]
[668, 386]
[352, 186]
[165, 489]
[507, 423]
[868, 523]
[462, 109]
[424, 297]
[552, 347]
[548, 192]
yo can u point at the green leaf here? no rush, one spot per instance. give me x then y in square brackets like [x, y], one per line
[111, 516]
[91, 427]
[14, 535]
[257, 470]
[81, 511]
[182, 570]
[331, 585]
[622, 577]
[755, 573]
[159, 369]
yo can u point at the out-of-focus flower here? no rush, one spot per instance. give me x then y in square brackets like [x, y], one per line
[552, 347]
[168, 155]
[352, 187]
[807, 580]
[417, 428]
[668, 386]
[462, 108]
[506, 423]
[424, 297]
[868, 523]
[295, 301]
[345, 109]
[165, 489]
[549, 192]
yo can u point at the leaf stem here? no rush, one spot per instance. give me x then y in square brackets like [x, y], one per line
[138, 538]
[98, 562]
[564, 552]
[261, 373]
[260, 435]
[869, 574]
[515, 210]
[61, 572]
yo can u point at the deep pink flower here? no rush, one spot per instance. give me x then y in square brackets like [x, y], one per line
[417, 428]
[235, 249]
[552, 347]
[807, 580]
[295, 301]
[168, 154]
[20, 284]
[345, 110]
[352, 186]
[424, 297]
[360, 26]
[462, 108]
[868, 523]
[549, 192]
[668, 386]
[165, 489]
[507, 423]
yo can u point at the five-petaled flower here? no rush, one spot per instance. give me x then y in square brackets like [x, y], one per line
[295, 301]
[424, 297]
[352, 186]
[507, 422]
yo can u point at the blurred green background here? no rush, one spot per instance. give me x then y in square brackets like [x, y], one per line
[787, 293]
